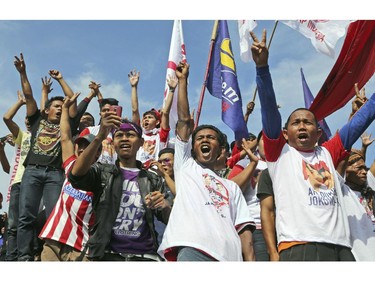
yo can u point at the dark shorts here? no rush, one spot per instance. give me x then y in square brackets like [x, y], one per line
[314, 251]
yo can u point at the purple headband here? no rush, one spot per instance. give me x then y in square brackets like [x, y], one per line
[127, 126]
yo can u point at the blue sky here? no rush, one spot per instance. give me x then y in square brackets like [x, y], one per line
[106, 50]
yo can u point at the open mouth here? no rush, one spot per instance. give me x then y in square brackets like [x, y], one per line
[303, 136]
[205, 149]
[124, 146]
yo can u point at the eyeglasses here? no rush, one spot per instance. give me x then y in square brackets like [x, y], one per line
[166, 161]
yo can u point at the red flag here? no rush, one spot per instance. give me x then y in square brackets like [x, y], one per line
[355, 64]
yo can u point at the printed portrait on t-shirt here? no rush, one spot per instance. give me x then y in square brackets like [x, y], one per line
[218, 192]
[318, 175]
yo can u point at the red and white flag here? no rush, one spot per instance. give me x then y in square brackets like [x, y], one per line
[244, 28]
[355, 64]
[177, 54]
[323, 34]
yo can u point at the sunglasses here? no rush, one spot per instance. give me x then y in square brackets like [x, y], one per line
[166, 161]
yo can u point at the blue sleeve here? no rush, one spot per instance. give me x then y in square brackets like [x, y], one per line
[271, 118]
[356, 126]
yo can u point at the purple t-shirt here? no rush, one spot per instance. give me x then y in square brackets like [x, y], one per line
[130, 233]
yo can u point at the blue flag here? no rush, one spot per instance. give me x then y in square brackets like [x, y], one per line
[222, 82]
[308, 101]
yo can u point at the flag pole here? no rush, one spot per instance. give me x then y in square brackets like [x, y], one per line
[213, 37]
[269, 45]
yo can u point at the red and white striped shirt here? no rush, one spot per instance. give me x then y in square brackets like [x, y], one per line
[72, 216]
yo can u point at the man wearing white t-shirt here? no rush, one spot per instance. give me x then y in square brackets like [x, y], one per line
[359, 205]
[311, 222]
[209, 215]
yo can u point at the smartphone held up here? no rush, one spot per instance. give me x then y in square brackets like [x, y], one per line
[117, 109]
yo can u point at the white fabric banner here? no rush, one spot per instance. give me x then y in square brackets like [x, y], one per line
[177, 53]
[323, 34]
[244, 28]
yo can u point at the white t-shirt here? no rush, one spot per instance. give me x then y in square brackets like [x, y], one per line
[308, 195]
[207, 213]
[108, 155]
[362, 232]
[154, 141]
[250, 192]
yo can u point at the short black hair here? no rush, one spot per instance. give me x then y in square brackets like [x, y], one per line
[89, 114]
[220, 136]
[48, 103]
[298, 109]
[110, 101]
[166, 150]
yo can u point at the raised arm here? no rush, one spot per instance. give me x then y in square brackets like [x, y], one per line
[55, 74]
[67, 145]
[366, 141]
[358, 123]
[172, 84]
[243, 178]
[46, 89]
[82, 106]
[249, 109]
[109, 121]
[184, 128]
[3, 158]
[8, 116]
[271, 118]
[31, 105]
[133, 80]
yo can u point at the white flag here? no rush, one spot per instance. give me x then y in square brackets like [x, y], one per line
[177, 54]
[323, 34]
[244, 28]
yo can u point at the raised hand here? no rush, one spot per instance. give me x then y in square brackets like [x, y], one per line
[94, 87]
[21, 98]
[172, 82]
[46, 84]
[182, 70]
[359, 100]
[134, 77]
[19, 63]
[259, 49]
[366, 139]
[68, 101]
[250, 107]
[55, 74]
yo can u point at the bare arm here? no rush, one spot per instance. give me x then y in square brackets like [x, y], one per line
[109, 121]
[3, 158]
[55, 74]
[133, 80]
[160, 171]
[244, 177]
[31, 105]
[46, 89]
[172, 83]
[247, 245]
[184, 128]
[67, 145]
[366, 141]
[268, 217]
[249, 109]
[8, 116]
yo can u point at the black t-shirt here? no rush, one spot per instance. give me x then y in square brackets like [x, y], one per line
[265, 187]
[45, 146]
